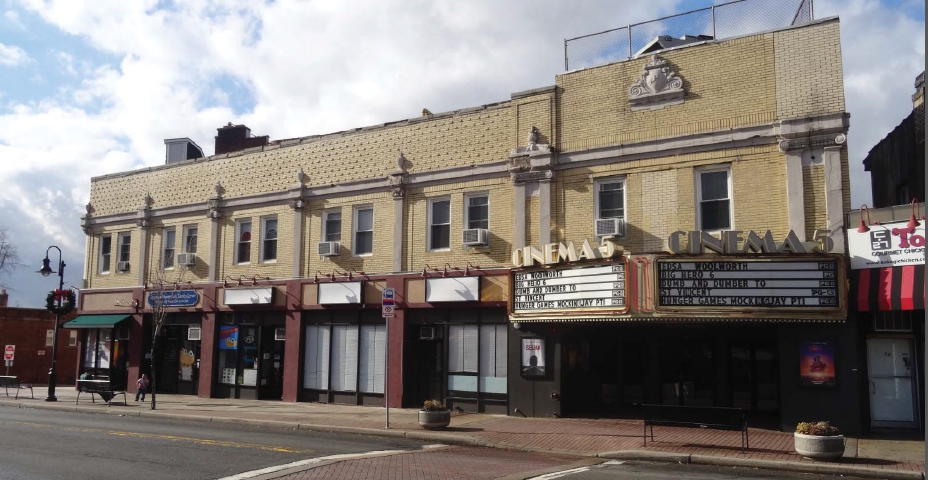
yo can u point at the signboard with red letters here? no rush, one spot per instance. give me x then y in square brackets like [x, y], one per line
[893, 244]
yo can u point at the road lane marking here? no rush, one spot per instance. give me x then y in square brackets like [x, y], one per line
[173, 438]
[562, 473]
[312, 461]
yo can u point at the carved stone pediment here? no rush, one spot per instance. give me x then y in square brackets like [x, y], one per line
[658, 87]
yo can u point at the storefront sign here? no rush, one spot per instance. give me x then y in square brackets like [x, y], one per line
[731, 242]
[174, 298]
[340, 293]
[560, 290]
[533, 357]
[749, 284]
[817, 364]
[452, 289]
[887, 245]
[554, 253]
[248, 296]
[228, 337]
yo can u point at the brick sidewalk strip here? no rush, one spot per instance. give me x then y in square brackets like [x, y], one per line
[582, 437]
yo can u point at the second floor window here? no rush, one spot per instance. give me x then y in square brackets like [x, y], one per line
[713, 195]
[364, 231]
[125, 244]
[610, 199]
[106, 248]
[478, 212]
[190, 239]
[332, 227]
[167, 256]
[439, 224]
[243, 244]
[269, 243]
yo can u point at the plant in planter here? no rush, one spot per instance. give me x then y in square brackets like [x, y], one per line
[434, 415]
[818, 440]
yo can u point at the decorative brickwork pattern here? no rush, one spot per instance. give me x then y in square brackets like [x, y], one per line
[809, 75]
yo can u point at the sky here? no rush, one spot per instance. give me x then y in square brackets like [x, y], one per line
[89, 88]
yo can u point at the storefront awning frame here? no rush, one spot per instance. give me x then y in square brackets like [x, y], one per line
[96, 321]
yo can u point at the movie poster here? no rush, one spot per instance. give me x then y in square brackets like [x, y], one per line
[533, 357]
[228, 337]
[817, 364]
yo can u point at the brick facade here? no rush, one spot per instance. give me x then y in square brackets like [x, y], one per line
[28, 328]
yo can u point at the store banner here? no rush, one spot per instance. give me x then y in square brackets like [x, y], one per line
[533, 357]
[887, 245]
[228, 337]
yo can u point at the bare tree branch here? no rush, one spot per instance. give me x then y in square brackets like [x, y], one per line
[9, 256]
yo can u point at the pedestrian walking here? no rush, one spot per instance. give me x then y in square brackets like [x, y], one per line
[141, 385]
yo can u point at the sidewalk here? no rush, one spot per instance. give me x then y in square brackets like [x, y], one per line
[607, 438]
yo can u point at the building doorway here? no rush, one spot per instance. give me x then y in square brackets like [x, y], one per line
[891, 364]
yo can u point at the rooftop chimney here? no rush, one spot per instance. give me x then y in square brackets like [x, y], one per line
[232, 138]
[4, 298]
[180, 149]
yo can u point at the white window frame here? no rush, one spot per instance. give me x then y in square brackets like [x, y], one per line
[164, 248]
[119, 244]
[428, 233]
[731, 200]
[467, 198]
[186, 233]
[101, 255]
[264, 239]
[355, 231]
[238, 240]
[325, 219]
[596, 185]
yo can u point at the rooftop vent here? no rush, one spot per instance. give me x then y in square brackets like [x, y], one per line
[661, 42]
[232, 138]
[181, 149]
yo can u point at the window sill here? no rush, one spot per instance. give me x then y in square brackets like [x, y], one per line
[439, 250]
[362, 255]
[269, 262]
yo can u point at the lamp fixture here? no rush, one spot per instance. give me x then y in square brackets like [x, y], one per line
[863, 227]
[913, 222]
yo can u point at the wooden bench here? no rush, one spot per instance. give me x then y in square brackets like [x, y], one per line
[718, 418]
[8, 382]
[103, 388]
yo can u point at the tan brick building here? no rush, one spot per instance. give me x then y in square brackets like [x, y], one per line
[288, 245]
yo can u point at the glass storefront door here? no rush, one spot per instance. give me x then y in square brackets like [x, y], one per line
[892, 386]
[753, 377]
[687, 373]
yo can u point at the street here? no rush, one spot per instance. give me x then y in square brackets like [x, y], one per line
[60, 445]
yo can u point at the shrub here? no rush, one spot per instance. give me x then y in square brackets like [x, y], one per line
[817, 428]
[433, 406]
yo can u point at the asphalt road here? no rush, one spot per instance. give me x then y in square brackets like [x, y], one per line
[60, 445]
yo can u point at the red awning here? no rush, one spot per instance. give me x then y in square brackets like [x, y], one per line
[891, 288]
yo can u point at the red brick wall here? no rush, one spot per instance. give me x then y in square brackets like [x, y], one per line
[25, 328]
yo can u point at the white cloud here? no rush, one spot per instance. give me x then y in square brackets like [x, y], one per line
[13, 56]
[319, 67]
[13, 19]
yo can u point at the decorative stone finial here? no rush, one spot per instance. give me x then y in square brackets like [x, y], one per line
[400, 162]
[89, 208]
[147, 200]
[532, 138]
[218, 188]
[300, 175]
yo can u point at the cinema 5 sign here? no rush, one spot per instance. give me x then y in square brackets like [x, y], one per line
[887, 245]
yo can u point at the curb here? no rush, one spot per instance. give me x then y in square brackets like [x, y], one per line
[820, 468]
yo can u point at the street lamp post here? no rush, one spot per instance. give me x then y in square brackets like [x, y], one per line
[46, 271]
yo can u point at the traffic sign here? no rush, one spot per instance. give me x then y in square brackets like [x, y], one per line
[9, 352]
[388, 304]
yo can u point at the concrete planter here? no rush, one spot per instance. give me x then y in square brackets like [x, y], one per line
[819, 447]
[434, 420]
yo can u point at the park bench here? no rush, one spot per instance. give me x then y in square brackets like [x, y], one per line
[8, 382]
[103, 388]
[718, 418]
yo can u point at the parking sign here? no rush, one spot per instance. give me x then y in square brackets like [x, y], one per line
[388, 304]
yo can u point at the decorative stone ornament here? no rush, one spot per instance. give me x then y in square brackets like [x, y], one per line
[300, 175]
[658, 87]
[397, 178]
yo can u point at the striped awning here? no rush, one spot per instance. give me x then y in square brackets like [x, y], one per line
[890, 288]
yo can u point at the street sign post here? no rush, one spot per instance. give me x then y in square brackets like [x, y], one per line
[387, 306]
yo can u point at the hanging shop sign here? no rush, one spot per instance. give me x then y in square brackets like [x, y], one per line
[892, 244]
[452, 289]
[751, 284]
[567, 290]
[555, 253]
[248, 296]
[339, 293]
[731, 242]
[173, 298]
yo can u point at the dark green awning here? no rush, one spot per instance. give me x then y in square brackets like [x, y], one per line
[96, 321]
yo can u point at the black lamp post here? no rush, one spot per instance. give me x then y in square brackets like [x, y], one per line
[46, 271]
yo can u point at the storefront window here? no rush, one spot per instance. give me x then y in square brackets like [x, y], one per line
[344, 358]
[188, 359]
[316, 361]
[493, 358]
[462, 357]
[228, 353]
[373, 350]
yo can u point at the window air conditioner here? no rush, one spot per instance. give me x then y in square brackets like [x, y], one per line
[475, 236]
[186, 259]
[428, 333]
[606, 227]
[280, 334]
[193, 333]
[329, 249]
[122, 266]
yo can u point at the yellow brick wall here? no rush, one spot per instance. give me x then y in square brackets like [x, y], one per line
[813, 193]
[114, 278]
[809, 75]
[728, 84]
[660, 196]
[416, 225]
[381, 260]
[180, 273]
[535, 111]
[281, 268]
